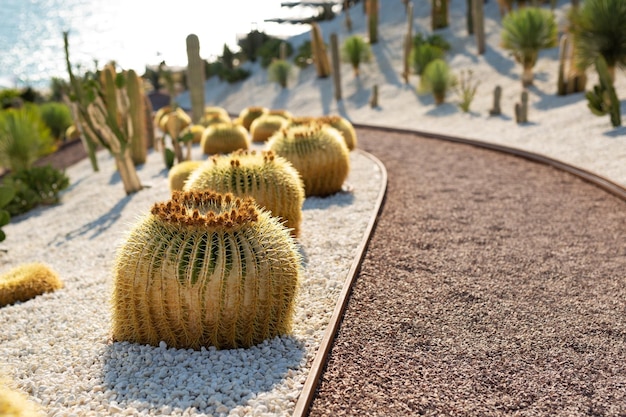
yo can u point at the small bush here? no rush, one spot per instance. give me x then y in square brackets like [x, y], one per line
[424, 54]
[466, 89]
[356, 50]
[437, 80]
[279, 72]
[33, 187]
[432, 40]
[58, 117]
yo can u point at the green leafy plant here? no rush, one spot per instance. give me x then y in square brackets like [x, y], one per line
[424, 54]
[598, 28]
[58, 117]
[355, 50]
[466, 89]
[433, 40]
[279, 72]
[33, 187]
[525, 32]
[24, 137]
[437, 80]
[6, 195]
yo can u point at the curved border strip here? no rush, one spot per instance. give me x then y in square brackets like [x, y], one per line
[595, 179]
[319, 362]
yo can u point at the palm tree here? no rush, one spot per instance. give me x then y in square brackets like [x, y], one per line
[355, 50]
[525, 32]
[599, 28]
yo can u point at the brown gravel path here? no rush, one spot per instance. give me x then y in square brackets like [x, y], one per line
[492, 286]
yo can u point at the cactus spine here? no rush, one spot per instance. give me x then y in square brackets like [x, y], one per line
[224, 138]
[271, 180]
[195, 78]
[319, 153]
[372, 20]
[320, 57]
[205, 269]
[27, 281]
[496, 110]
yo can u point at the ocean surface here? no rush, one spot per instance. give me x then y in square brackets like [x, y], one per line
[134, 33]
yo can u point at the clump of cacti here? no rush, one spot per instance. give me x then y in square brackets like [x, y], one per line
[319, 153]
[27, 281]
[344, 126]
[265, 126]
[179, 173]
[216, 110]
[521, 108]
[248, 114]
[224, 138]
[603, 99]
[205, 269]
[271, 180]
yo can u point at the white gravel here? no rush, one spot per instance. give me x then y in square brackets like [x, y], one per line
[56, 347]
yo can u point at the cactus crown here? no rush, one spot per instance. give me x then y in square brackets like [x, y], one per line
[207, 208]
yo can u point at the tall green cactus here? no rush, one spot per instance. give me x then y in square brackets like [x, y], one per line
[100, 108]
[372, 20]
[205, 269]
[195, 78]
[319, 153]
[603, 99]
[137, 114]
[271, 180]
[318, 49]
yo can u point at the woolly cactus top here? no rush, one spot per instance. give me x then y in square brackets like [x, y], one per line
[206, 209]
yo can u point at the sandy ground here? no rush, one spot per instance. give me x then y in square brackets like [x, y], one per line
[560, 127]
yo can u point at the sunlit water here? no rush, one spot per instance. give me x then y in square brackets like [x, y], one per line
[134, 33]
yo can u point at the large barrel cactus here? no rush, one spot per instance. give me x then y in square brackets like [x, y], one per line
[344, 126]
[248, 114]
[224, 138]
[271, 180]
[27, 281]
[265, 126]
[205, 269]
[319, 153]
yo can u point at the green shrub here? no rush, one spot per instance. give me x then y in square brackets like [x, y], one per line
[8, 96]
[58, 117]
[279, 72]
[466, 89]
[437, 80]
[304, 55]
[355, 50]
[270, 50]
[35, 186]
[58, 88]
[424, 54]
[24, 137]
[432, 40]
[6, 195]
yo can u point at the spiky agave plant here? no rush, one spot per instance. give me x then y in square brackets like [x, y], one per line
[27, 281]
[525, 32]
[319, 153]
[355, 50]
[205, 269]
[437, 80]
[224, 138]
[279, 72]
[599, 28]
[271, 180]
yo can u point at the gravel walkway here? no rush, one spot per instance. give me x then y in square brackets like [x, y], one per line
[492, 286]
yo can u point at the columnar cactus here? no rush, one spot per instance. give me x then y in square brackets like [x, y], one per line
[195, 77]
[271, 180]
[521, 108]
[265, 126]
[318, 152]
[248, 114]
[372, 20]
[439, 14]
[344, 126]
[137, 115]
[224, 138]
[408, 43]
[205, 269]
[318, 48]
[496, 110]
[478, 15]
[27, 281]
[179, 173]
[336, 61]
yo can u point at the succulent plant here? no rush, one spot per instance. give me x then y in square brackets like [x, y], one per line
[211, 118]
[196, 131]
[265, 126]
[195, 77]
[210, 110]
[179, 173]
[15, 403]
[224, 138]
[281, 112]
[205, 269]
[271, 180]
[344, 126]
[137, 117]
[319, 153]
[27, 281]
[250, 113]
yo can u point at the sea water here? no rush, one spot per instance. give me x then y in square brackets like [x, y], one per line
[134, 33]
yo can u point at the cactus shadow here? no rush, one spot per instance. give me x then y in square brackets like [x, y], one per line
[206, 379]
[617, 132]
[444, 109]
[342, 198]
[501, 63]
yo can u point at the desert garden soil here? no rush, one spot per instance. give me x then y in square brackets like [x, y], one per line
[492, 286]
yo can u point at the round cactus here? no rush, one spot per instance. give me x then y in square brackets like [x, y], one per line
[174, 122]
[318, 152]
[224, 138]
[212, 118]
[271, 180]
[14, 403]
[205, 269]
[179, 173]
[302, 120]
[27, 281]
[247, 115]
[196, 130]
[344, 126]
[216, 110]
[159, 114]
[281, 112]
[265, 126]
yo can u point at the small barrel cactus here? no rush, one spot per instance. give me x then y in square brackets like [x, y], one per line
[319, 153]
[247, 115]
[180, 172]
[212, 118]
[281, 112]
[344, 126]
[27, 281]
[271, 180]
[205, 269]
[196, 132]
[265, 126]
[224, 138]
[15, 403]
[215, 110]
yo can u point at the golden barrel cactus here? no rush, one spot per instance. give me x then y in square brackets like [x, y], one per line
[248, 114]
[205, 269]
[344, 126]
[265, 126]
[224, 138]
[27, 281]
[271, 180]
[180, 172]
[319, 153]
